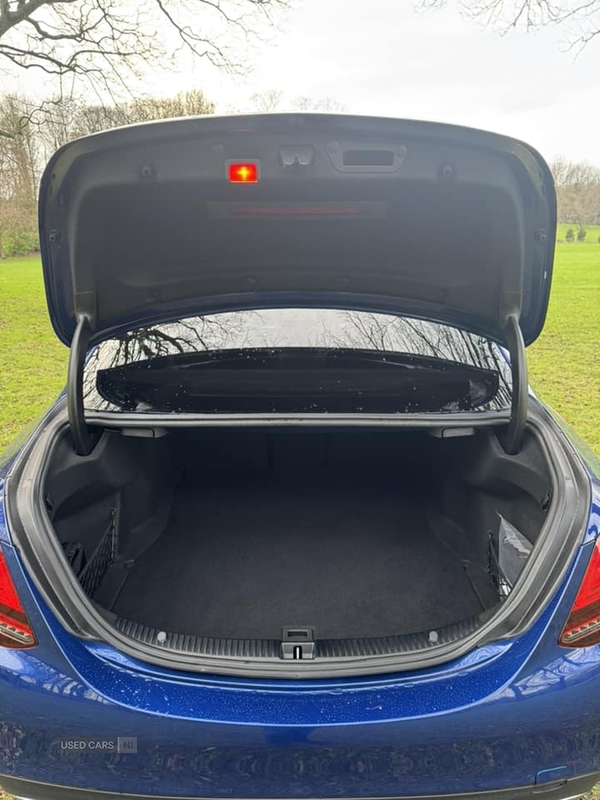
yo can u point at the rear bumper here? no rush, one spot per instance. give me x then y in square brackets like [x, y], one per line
[476, 729]
[574, 787]
[529, 731]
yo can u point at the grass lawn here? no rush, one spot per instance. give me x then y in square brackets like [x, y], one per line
[563, 362]
[32, 361]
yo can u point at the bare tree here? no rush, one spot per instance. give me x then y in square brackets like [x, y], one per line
[276, 100]
[582, 17]
[71, 118]
[330, 104]
[27, 148]
[18, 175]
[104, 41]
[270, 100]
[18, 155]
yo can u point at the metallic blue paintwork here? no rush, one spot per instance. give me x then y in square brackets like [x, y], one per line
[492, 719]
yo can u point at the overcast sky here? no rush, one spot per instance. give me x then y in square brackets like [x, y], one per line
[384, 57]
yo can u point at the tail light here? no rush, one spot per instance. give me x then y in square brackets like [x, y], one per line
[15, 630]
[583, 626]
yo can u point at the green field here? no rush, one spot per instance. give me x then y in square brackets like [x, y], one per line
[563, 367]
[32, 362]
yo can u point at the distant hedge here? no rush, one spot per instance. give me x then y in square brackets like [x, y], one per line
[18, 243]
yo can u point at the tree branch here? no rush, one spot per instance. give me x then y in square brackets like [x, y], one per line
[99, 40]
[532, 15]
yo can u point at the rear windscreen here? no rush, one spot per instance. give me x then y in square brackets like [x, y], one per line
[296, 360]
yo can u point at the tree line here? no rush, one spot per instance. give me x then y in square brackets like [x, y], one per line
[578, 192]
[33, 132]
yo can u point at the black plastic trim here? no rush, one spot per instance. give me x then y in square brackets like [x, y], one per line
[520, 387]
[271, 648]
[82, 440]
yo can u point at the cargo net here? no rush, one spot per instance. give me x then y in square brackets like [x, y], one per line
[90, 577]
[508, 550]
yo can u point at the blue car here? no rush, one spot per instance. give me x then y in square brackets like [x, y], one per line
[297, 527]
